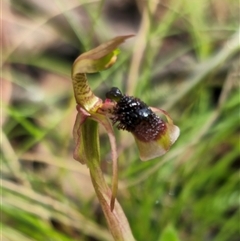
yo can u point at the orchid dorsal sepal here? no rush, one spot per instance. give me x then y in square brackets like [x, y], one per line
[99, 58]
[95, 60]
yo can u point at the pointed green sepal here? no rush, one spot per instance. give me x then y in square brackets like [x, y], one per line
[95, 60]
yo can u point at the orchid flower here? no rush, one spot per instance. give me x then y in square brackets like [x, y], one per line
[152, 135]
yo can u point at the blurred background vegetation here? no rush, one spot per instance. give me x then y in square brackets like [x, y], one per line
[184, 59]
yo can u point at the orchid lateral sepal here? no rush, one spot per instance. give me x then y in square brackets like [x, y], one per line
[81, 151]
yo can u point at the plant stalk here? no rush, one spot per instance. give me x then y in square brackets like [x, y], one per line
[116, 219]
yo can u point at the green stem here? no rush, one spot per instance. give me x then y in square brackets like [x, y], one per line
[116, 219]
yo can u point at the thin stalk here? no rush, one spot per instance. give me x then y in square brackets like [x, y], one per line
[116, 219]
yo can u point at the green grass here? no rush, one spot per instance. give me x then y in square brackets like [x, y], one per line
[184, 60]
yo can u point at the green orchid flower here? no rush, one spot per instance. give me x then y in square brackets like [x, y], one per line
[89, 106]
[153, 136]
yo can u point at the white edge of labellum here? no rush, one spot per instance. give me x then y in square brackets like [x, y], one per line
[152, 149]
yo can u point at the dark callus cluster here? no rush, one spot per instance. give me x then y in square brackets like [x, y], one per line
[135, 116]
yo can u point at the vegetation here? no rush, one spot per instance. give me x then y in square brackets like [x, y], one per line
[184, 59]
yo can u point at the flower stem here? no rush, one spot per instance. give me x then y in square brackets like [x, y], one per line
[116, 219]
